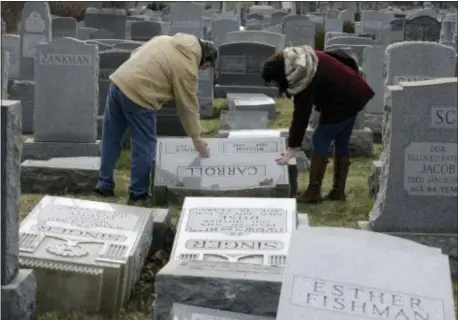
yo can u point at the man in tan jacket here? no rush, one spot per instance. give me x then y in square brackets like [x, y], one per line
[162, 69]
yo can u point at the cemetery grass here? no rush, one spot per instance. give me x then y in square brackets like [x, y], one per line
[334, 214]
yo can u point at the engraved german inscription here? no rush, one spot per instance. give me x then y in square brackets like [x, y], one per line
[363, 302]
[430, 169]
[65, 59]
[260, 245]
[237, 221]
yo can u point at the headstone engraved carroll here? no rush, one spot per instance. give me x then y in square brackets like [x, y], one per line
[406, 281]
[18, 286]
[35, 28]
[64, 115]
[95, 250]
[236, 230]
[243, 167]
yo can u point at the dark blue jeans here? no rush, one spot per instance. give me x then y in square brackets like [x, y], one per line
[339, 132]
[121, 113]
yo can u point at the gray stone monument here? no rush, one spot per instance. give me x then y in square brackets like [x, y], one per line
[11, 43]
[237, 167]
[24, 91]
[87, 255]
[187, 17]
[422, 28]
[239, 66]
[418, 191]
[299, 30]
[65, 101]
[18, 285]
[243, 120]
[35, 28]
[406, 280]
[205, 92]
[145, 30]
[63, 27]
[109, 19]
[252, 102]
[222, 27]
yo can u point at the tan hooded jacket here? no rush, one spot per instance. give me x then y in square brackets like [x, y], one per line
[163, 69]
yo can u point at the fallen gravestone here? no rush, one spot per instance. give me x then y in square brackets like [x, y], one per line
[187, 312]
[60, 175]
[252, 102]
[243, 120]
[363, 275]
[18, 286]
[237, 167]
[252, 230]
[87, 255]
[218, 236]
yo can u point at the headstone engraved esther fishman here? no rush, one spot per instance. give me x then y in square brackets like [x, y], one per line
[87, 255]
[235, 229]
[237, 167]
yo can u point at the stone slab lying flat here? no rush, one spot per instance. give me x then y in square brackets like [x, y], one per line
[361, 143]
[87, 255]
[187, 312]
[60, 175]
[222, 90]
[34, 150]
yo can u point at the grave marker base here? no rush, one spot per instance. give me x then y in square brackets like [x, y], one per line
[34, 150]
[58, 175]
[361, 143]
[445, 242]
[18, 297]
[222, 90]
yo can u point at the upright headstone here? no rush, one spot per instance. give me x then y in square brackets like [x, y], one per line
[299, 30]
[145, 30]
[18, 286]
[205, 92]
[187, 17]
[422, 28]
[85, 33]
[222, 27]
[64, 27]
[35, 28]
[406, 280]
[110, 19]
[11, 43]
[66, 101]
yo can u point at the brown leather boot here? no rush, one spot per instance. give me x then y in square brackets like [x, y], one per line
[341, 166]
[317, 170]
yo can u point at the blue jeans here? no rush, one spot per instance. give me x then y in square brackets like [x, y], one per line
[339, 132]
[121, 113]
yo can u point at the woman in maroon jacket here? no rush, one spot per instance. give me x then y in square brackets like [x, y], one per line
[338, 92]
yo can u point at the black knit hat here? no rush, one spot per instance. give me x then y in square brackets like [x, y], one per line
[209, 52]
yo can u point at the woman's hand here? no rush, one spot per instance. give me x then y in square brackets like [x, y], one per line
[285, 157]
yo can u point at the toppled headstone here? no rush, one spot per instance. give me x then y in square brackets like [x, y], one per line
[187, 312]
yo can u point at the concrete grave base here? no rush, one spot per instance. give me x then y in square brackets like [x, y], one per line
[164, 195]
[222, 90]
[373, 181]
[19, 297]
[35, 150]
[361, 143]
[60, 175]
[445, 242]
[374, 121]
[162, 222]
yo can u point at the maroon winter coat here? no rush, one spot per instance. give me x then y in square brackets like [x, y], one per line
[336, 90]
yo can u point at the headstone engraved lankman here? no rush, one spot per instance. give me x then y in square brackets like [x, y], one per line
[223, 229]
[65, 129]
[406, 281]
[87, 255]
[243, 167]
[18, 286]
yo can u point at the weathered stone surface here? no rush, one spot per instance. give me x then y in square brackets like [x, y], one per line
[46, 150]
[374, 121]
[361, 143]
[60, 175]
[373, 181]
[187, 312]
[19, 297]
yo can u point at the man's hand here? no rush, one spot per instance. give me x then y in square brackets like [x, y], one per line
[202, 148]
[285, 157]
